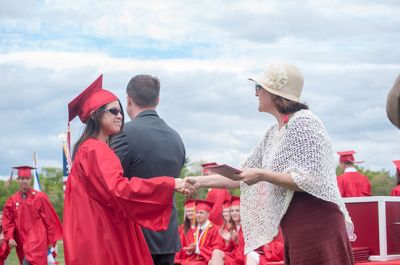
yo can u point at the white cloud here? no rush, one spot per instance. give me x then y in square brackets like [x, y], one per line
[203, 53]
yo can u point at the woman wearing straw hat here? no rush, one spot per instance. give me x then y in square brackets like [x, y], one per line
[289, 179]
[103, 211]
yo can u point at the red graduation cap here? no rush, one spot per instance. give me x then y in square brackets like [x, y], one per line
[206, 165]
[235, 201]
[347, 156]
[190, 203]
[226, 204]
[92, 98]
[24, 171]
[204, 205]
[397, 163]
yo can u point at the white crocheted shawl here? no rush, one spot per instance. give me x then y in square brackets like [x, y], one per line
[303, 149]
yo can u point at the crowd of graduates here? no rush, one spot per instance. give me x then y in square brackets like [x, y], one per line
[218, 238]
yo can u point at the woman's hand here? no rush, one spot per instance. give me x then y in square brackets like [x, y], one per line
[251, 175]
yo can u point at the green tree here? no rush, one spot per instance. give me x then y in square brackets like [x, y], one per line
[51, 181]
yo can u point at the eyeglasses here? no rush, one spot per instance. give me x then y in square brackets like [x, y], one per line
[114, 111]
[258, 87]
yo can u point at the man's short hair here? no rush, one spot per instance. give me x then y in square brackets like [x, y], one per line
[144, 90]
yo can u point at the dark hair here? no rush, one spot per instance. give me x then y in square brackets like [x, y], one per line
[287, 106]
[144, 90]
[92, 128]
[187, 225]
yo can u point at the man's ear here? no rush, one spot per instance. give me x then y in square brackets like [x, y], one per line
[129, 100]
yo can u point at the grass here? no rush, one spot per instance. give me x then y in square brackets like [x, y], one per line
[13, 259]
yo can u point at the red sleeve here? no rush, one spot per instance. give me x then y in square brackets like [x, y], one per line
[148, 202]
[8, 221]
[273, 251]
[50, 219]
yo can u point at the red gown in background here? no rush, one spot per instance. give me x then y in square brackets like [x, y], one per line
[353, 184]
[182, 255]
[208, 240]
[103, 211]
[235, 256]
[218, 197]
[273, 251]
[34, 225]
[395, 191]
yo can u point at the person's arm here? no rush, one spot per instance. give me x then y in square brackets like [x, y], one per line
[213, 181]
[253, 175]
[8, 222]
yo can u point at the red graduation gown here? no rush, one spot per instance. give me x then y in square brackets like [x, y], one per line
[208, 241]
[182, 255]
[273, 251]
[103, 211]
[33, 223]
[353, 184]
[4, 248]
[217, 196]
[236, 254]
[4, 251]
[395, 191]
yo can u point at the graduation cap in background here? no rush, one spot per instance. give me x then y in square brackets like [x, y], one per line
[205, 165]
[22, 171]
[226, 204]
[397, 164]
[348, 157]
[235, 201]
[204, 205]
[190, 203]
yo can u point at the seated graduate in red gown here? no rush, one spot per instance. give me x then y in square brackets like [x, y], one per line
[30, 223]
[396, 190]
[205, 239]
[352, 183]
[4, 247]
[271, 252]
[104, 211]
[225, 229]
[188, 227]
[216, 196]
[233, 251]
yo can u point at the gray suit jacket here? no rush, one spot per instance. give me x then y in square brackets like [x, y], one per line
[148, 148]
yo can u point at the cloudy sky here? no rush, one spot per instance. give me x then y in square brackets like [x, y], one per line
[203, 52]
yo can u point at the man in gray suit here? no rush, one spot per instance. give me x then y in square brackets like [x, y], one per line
[148, 148]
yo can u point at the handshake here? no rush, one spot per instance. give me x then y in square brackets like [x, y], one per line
[187, 186]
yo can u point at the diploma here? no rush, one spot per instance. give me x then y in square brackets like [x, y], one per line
[226, 171]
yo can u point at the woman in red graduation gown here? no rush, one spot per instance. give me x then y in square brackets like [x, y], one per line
[186, 230]
[103, 211]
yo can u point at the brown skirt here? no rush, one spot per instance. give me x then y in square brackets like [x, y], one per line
[315, 233]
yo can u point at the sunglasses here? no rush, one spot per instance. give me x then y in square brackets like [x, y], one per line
[258, 87]
[114, 111]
